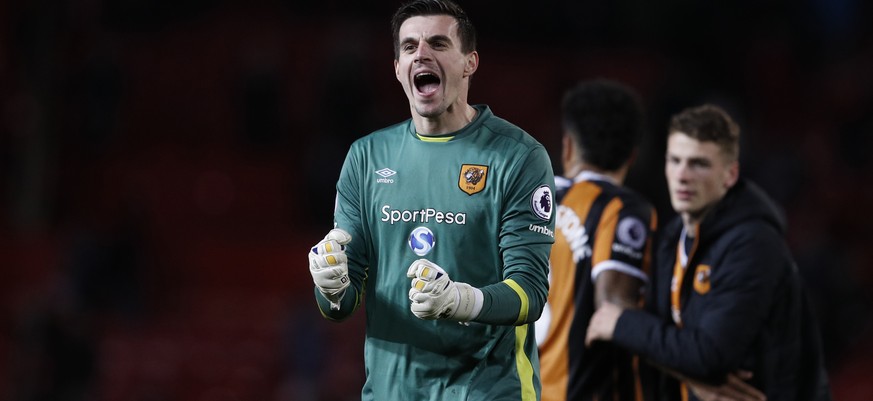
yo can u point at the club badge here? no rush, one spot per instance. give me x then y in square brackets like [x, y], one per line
[701, 279]
[472, 178]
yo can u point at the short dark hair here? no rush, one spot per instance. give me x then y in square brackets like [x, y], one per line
[709, 123]
[606, 120]
[416, 8]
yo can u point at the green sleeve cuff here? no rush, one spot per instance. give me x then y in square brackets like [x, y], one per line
[508, 303]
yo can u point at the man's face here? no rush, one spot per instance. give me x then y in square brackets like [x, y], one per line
[698, 174]
[430, 66]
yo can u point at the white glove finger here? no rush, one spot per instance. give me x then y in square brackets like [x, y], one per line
[313, 261]
[421, 312]
[418, 297]
[412, 292]
[335, 259]
[424, 309]
[328, 246]
[333, 242]
[330, 276]
[339, 235]
[430, 309]
[318, 262]
[418, 284]
[412, 271]
[425, 270]
[327, 260]
[434, 287]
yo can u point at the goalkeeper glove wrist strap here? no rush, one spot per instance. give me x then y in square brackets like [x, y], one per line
[470, 301]
[334, 298]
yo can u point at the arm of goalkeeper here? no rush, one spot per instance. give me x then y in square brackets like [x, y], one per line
[329, 267]
[435, 296]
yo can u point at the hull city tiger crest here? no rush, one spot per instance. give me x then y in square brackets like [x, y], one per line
[472, 178]
[701, 279]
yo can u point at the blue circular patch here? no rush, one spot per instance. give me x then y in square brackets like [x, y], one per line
[421, 241]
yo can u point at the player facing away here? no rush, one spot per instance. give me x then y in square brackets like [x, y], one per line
[444, 223]
[602, 245]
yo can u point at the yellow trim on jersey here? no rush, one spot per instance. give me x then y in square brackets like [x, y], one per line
[525, 303]
[522, 363]
[434, 138]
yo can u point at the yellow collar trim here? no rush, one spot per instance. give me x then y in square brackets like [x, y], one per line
[434, 138]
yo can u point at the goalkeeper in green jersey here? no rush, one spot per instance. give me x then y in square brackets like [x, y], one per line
[444, 224]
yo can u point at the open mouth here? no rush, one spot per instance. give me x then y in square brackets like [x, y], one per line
[426, 83]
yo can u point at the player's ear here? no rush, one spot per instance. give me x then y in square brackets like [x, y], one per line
[566, 150]
[733, 174]
[397, 69]
[471, 63]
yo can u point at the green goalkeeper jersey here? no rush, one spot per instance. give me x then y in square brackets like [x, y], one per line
[479, 204]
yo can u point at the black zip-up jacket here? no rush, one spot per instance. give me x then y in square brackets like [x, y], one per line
[742, 305]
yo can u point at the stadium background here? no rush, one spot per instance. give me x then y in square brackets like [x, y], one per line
[166, 164]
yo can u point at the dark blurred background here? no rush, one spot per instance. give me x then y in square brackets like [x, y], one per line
[166, 164]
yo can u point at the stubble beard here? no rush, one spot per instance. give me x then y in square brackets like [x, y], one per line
[428, 111]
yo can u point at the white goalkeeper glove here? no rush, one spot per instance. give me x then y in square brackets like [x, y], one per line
[435, 296]
[329, 266]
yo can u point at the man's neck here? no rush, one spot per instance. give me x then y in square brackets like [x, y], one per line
[689, 223]
[452, 120]
[617, 176]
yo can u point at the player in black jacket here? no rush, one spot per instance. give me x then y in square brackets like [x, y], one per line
[726, 296]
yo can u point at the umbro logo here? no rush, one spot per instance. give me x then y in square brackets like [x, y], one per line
[385, 173]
